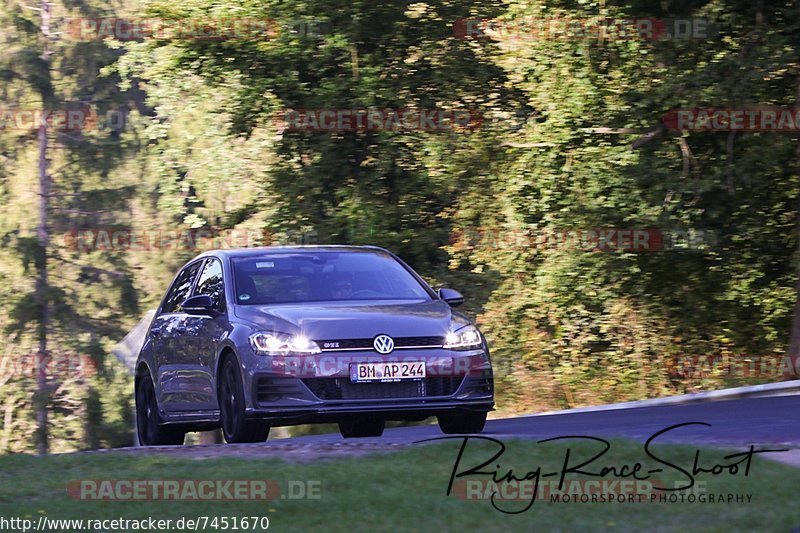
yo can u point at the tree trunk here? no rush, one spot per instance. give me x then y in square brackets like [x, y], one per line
[8, 420]
[793, 354]
[43, 237]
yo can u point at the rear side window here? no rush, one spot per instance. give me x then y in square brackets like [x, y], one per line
[181, 288]
[210, 283]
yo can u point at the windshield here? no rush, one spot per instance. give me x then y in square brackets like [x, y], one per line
[323, 276]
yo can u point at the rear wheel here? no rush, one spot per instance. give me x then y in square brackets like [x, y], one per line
[149, 425]
[462, 422]
[365, 427]
[235, 427]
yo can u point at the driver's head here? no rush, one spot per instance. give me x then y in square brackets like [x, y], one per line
[341, 287]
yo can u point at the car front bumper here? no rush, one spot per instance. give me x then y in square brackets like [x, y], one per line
[310, 389]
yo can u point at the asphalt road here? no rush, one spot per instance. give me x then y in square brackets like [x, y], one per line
[734, 422]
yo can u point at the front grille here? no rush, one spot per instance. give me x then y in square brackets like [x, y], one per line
[418, 341]
[399, 342]
[344, 389]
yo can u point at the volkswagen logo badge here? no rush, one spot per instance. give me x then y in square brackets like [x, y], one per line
[383, 344]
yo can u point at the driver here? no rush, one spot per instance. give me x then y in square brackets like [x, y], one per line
[341, 288]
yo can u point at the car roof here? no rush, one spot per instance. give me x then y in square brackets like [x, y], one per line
[301, 249]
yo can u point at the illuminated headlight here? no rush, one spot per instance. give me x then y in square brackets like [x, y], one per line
[465, 338]
[280, 344]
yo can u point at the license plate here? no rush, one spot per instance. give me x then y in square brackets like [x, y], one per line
[387, 371]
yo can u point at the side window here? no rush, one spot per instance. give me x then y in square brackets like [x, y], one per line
[210, 283]
[181, 288]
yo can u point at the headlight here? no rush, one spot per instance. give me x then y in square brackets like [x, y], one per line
[280, 344]
[467, 337]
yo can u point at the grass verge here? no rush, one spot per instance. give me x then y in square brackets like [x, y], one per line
[405, 491]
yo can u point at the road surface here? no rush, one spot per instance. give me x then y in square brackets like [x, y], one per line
[773, 420]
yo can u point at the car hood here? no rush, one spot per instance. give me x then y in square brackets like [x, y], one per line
[354, 320]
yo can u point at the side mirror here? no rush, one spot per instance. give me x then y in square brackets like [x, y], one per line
[198, 305]
[451, 296]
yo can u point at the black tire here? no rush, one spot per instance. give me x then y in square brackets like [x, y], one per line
[462, 422]
[235, 427]
[149, 425]
[358, 428]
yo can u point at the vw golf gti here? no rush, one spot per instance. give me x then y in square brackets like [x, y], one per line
[253, 338]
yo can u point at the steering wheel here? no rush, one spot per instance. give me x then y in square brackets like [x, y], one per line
[364, 293]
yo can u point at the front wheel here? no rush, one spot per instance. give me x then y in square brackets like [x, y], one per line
[149, 425]
[462, 422]
[235, 427]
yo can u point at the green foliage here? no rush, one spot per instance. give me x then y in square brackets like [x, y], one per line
[572, 139]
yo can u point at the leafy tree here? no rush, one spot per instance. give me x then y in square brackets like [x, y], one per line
[67, 306]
